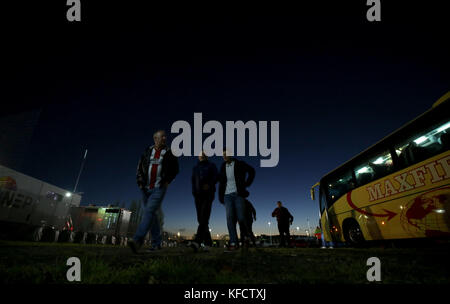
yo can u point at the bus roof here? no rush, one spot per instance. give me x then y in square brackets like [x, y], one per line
[444, 98]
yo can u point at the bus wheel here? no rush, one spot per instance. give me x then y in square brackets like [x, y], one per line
[353, 233]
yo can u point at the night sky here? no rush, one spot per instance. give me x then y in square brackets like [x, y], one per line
[336, 83]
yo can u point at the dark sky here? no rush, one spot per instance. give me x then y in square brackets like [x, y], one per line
[336, 83]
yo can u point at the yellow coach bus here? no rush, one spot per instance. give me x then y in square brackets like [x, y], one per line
[399, 188]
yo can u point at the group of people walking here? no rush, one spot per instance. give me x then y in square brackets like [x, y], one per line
[233, 178]
[158, 167]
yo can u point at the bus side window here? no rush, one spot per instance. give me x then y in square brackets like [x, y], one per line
[445, 141]
[374, 168]
[322, 201]
[419, 147]
[339, 186]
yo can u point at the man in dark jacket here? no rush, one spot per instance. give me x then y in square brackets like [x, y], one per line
[156, 169]
[284, 219]
[235, 176]
[204, 179]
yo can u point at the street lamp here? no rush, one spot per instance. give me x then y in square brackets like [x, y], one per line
[298, 228]
[270, 233]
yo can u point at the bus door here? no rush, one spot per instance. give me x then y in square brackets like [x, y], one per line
[324, 219]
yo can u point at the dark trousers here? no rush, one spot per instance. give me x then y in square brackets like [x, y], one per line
[203, 203]
[285, 236]
[249, 233]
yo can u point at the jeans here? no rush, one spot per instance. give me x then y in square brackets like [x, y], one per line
[152, 200]
[235, 209]
[325, 243]
[203, 202]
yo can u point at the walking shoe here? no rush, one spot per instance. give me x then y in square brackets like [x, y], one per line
[231, 248]
[204, 247]
[194, 245]
[135, 246]
[154, 248]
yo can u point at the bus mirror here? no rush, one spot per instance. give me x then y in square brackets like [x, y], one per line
[312, 190]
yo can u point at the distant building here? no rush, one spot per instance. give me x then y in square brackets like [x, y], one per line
[28, 202]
